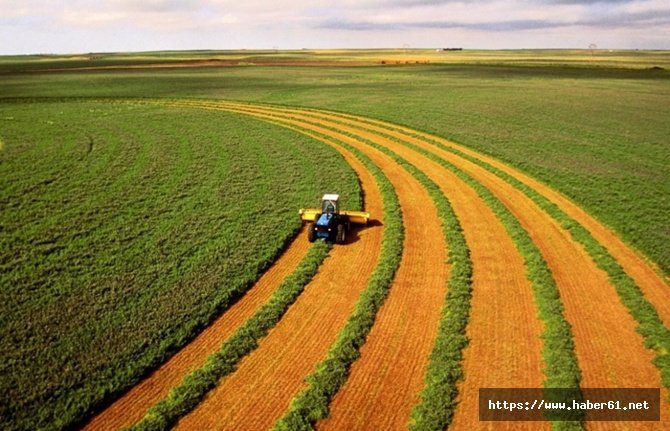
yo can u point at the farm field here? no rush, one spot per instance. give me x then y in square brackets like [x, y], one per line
[154, 274]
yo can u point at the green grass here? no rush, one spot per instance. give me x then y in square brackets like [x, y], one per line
[595, 129]
[561, 369]
[532, 58]
[438, 398]
[116, 226]
[122, 234]
[650, 326]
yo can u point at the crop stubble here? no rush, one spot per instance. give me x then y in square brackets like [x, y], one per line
[581, 283]
[259, 392]
[600, 345]
[249, 397]
[406, 325]
[644, 273]
[372, 396]
[598, 342]
[130, 408]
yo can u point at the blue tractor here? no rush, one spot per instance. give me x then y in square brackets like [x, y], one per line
[329, 222]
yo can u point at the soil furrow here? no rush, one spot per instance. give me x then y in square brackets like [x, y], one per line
[257, 394]
[131, 407]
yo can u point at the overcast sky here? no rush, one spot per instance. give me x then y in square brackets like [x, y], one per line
[79, 26]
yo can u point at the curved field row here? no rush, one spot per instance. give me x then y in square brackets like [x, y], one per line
[382, 405]
[120, 241]
[257, 394]
[132, 406]
[505, 347]
[581, 283]
[645, 274]
[407, 321]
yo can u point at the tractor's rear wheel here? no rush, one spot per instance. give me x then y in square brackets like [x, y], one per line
[341, 234]
[311, 236]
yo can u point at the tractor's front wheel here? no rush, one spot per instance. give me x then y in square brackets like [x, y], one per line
[341, 234]
[311, 236]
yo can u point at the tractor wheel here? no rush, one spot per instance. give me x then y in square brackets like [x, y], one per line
[310, 234]
[341, 234]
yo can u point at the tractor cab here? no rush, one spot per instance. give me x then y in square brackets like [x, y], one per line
[329, 211]
[330, 223]
[330, 204]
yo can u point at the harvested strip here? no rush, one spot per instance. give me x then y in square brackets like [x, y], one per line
[197, 384]
[585, 259]
[503, 327]
[394, 355]
[599, 344]
[603, 374]
[656, 336]
[645, 274]
[258, 393]
[130, 408]
[522, 337]
[573, 286]
[331, 373]
[421, 143]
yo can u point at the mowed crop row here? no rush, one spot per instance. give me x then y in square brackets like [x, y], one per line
[579, 277]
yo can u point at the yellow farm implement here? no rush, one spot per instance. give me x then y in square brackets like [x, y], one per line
[329, 222]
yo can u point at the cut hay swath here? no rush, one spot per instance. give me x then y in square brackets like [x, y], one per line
[456, 313]
[194, 386]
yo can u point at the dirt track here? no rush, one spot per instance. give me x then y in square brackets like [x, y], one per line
[505, 344]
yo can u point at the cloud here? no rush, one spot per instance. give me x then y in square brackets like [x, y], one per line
[489, 26]
[154, 24]
[589, 2]
[618, 14]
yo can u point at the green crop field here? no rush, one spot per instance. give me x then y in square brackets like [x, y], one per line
[126, 227]
[593, 126]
